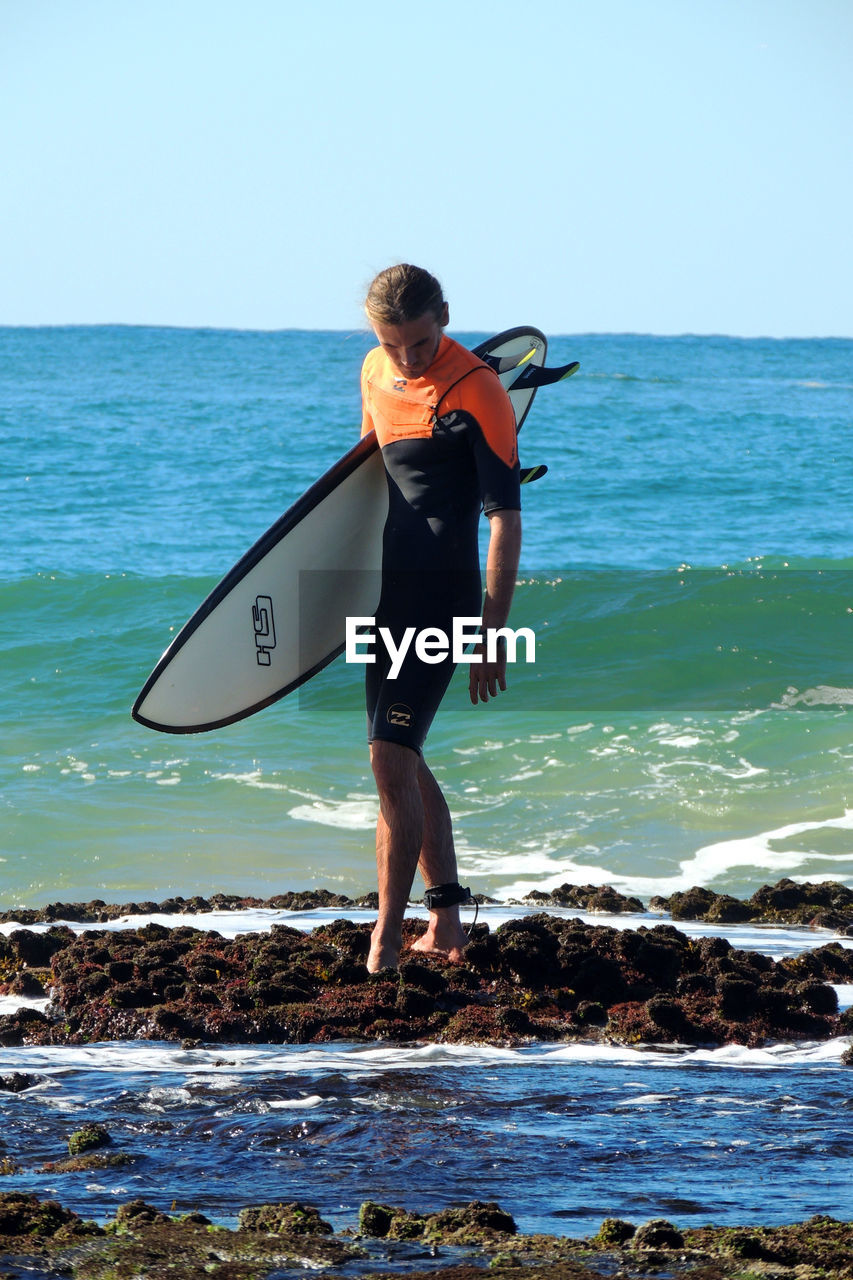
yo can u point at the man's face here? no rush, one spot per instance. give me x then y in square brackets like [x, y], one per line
[411, 347]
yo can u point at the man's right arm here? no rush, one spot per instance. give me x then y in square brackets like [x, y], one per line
[486, 678]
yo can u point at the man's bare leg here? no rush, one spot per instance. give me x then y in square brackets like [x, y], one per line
[399, 835]
[438, 866]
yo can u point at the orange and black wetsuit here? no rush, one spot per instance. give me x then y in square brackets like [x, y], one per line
[448, 442]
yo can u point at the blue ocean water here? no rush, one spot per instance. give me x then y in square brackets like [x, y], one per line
[561, 1137]
[688, 571]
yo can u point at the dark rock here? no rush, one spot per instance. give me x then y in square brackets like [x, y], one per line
[95, 984]
[26, 1215]
[21, 1026]
[476, 1221]
[27, 984]
[668, 1015]
[691, 904]
[416, 974]
[728, 910]
[790, 902]
[818, 997]
[739, 999]
[544, 977]
[137, 1213]
[36, 949]
[472, 1223]
[414, 1002]
[591, 1013]
[586, 897]
[284, 1219]
[86, 1163]
[375, 1219]
[613, 1233]
[657, 1234]
[592, 976]
[89, 1138]
[476, 1024]
[713, 948]
[528, 949]
[18, 1081]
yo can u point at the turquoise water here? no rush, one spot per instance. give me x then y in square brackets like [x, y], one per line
[687, 568]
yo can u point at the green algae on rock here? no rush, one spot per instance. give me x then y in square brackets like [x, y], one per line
[472, 1223]
[272, 1240]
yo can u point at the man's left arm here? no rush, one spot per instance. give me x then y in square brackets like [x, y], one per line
[501, 571]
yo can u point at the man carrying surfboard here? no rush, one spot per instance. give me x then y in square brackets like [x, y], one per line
[447, 433]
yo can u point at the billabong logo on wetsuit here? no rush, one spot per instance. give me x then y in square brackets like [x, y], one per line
[399, 384]
[264, 627]
[400, 715]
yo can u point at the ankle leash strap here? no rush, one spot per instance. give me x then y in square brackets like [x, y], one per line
[451, 895]
[446, 895]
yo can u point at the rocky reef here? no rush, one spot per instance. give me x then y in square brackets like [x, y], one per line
[828, 905]
[288, 1240]
[542, 977]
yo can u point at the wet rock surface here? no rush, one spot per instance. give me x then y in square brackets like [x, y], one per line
[586, 897]
[458, 1243]
[826, 905]
[541, 977]
[99, 912]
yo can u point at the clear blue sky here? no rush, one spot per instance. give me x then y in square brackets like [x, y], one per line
[657, 166]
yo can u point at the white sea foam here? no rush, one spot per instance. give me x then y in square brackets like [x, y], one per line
[298, 1104]
[715, 860]
[251, 778]
[11, 1004]
[709, 863]
[739, 771]
[360, 1061]
[356, 813]
[822, 695]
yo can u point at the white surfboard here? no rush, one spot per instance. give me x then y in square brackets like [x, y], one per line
[278, 617]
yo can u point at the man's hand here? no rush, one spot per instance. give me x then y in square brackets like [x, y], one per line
[487, 677]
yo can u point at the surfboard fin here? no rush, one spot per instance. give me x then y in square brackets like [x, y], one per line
[533, 375]
[502, 364]
[530, 375]
[529, 474]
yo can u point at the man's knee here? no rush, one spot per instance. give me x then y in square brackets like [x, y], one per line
[395, 767]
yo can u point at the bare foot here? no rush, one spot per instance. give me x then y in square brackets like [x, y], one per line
[444, 936]
[453, 954]
[383, 954]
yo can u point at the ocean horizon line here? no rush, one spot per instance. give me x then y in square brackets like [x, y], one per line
[166, 327]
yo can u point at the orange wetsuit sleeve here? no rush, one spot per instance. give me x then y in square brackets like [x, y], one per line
[482, 397]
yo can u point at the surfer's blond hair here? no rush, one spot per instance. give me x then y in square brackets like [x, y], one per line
[403, 293]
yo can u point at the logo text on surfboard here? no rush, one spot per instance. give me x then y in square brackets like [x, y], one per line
[264, 625]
